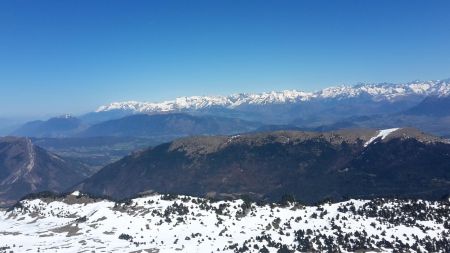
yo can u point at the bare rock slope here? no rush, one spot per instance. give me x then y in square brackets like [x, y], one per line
[26, 168]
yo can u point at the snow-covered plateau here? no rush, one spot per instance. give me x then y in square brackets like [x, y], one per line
[376, 92]
[166, 223]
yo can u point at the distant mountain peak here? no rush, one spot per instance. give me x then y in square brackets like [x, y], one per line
[54, 127]
[65, 116]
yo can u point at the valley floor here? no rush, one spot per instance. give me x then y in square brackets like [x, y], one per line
[164, 223]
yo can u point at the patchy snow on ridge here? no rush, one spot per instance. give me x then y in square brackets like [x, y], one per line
[381, 134]
[165, 223]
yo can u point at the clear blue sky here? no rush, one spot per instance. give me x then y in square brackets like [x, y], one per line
[72, 56]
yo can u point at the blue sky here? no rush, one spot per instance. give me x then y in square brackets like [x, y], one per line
[72, 56]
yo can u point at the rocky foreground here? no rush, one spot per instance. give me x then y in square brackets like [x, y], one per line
[166, 223]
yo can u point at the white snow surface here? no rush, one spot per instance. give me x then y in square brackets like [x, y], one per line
[381, 134]
[377, 92]
[75, 193]
[187, 224]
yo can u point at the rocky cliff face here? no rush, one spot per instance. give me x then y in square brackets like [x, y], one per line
[26, 168]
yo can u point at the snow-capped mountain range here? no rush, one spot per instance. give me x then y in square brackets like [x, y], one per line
[376, 92]
[423, 105]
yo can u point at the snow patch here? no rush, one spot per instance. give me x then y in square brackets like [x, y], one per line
[381, 134]
[75, 193]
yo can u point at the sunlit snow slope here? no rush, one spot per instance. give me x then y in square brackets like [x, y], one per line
[162, 223]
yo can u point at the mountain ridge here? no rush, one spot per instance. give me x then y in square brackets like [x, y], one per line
[312, 166]
[170, 124]
[61, 126]
[25, 168]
